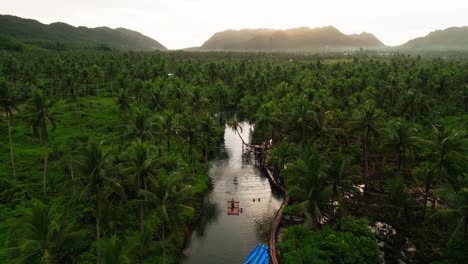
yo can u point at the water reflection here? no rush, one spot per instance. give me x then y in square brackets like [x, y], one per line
[220, 238]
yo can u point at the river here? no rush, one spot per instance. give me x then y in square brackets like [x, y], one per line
[220, 238]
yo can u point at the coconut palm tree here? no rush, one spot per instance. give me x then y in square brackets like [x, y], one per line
[401, 138]
[236, 126]
[426, 176]
[301, 120]
[113, 251]
[399, 198]
[8, 103]
[141, 244]
[308, 185]
[266, 120]
[97, 74]
[167, 127]
[43, 236]
[339, 176]
[458, 210]
[142, 168]
[140, 126]
[280, 155]
[197, 100]
[123, 100]
[447, 147]
[365, 121]
[414, 104]
[41, 120]
[168, 197]
[96, 176]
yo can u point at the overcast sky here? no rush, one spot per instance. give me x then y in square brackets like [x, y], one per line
[186, 23]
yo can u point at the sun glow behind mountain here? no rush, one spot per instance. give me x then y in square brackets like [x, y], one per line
[183, 23]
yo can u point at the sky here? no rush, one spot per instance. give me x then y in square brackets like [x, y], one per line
[187, 23]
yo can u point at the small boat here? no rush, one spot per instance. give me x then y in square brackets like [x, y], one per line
[253, 253]
[263, 256]
[258, 255]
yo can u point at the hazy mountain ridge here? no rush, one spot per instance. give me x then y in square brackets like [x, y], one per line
[27, 30]
[453, 38]
[295, 39]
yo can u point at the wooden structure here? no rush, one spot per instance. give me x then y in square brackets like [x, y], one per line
[233, 210]
[279, 213]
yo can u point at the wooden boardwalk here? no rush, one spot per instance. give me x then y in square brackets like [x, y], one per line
[279, 214]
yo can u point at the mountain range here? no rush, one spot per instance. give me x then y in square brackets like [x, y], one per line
[16, 29]
[296, 39]
[17, 33]
[453, 38]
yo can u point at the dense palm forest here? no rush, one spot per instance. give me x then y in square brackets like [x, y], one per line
[104, 155]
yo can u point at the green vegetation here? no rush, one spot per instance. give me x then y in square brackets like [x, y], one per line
[453, 38]
[108, 151]
[17, 33]
[354, 243]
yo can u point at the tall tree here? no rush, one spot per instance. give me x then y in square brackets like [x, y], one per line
[401, 138]
[308, 184]
[458, 210]
[41, 120]
[8, 102]
[113, 251]
[142, 168]
[96, 169]
[168, 198]
[365, 121]
[43, 235]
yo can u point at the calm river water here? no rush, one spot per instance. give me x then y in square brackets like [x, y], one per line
[220, 238]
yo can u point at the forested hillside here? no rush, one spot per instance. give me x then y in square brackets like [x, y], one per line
[32, 32]
[296, 39]
[454, 38]
[104, 155]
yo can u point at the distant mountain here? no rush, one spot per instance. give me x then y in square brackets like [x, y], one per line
[31, 31]
[453, 38]
[296, 39]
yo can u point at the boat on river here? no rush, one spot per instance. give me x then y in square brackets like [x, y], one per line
[259, 255]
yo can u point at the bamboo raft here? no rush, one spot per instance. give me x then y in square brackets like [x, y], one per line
[233, 210]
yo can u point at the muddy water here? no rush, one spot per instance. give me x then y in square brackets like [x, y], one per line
[220, 238]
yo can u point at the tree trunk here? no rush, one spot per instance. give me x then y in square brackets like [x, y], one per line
[164, 242]
[142, 210]
[366, 162]
[98, 227]
[98, 95]
[160, 146]
[72, 174]
[78, 111]
[12, 155]
[46, 157]
[439, 174]
[426, 195]
[168, 144]
[243, 142]
[399, 160]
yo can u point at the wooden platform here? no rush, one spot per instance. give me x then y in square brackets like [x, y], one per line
[235, 210]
